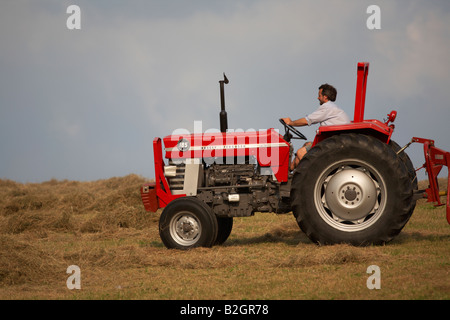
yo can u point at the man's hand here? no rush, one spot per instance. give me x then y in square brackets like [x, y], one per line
[296, 123]
[288, 121]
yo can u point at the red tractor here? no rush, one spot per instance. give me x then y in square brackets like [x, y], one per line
[356, 185]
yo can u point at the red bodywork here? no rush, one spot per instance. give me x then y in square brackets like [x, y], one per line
[268, 146]
[271, 150]
[157, 194]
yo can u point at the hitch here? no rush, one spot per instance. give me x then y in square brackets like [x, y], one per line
[435, 158]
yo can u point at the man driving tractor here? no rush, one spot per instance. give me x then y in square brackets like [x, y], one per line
[327, 114]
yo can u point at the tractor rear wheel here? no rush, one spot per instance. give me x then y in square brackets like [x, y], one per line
[409, 166]
[351, 188]
[187, 223]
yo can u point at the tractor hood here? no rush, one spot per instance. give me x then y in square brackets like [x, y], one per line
[267, 146]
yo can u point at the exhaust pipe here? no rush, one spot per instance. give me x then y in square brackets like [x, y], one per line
[223, 113]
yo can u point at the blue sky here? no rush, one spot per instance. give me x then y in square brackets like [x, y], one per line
[86, 104]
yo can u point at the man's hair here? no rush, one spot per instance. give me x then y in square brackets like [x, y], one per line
[329, 91]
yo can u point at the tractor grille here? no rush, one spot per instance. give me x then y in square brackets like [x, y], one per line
[177, 182]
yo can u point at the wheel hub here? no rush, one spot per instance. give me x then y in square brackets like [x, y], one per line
[350, 194]
[187, 228]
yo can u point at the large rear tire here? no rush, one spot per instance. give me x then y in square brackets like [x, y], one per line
[187, 223]
[351, 188]
[409, 166]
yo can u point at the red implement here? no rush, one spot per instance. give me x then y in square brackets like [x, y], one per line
[435, 158]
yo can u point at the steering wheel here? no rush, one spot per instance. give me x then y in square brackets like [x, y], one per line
[288, 128]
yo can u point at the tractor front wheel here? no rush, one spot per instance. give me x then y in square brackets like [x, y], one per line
[225, 226]
[351, 188]
[187, 223]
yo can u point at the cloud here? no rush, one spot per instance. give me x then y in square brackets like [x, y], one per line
[417, 52]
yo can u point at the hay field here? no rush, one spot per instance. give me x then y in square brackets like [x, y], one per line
[101, 227]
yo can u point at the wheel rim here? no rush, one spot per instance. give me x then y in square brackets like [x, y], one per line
[185, 228]
[350, 195]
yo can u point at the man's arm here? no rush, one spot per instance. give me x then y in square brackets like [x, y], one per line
[296, 123]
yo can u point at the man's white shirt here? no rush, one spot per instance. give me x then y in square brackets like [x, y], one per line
[328, 114]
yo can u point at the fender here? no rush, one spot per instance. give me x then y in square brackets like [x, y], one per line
[375, 128]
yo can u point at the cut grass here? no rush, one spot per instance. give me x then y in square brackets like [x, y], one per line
[101, 226]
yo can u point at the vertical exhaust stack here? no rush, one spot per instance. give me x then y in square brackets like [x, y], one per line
[223, 113]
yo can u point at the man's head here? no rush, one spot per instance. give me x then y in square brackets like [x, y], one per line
[327, 93]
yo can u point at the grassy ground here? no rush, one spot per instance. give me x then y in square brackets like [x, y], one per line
[102, 227]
